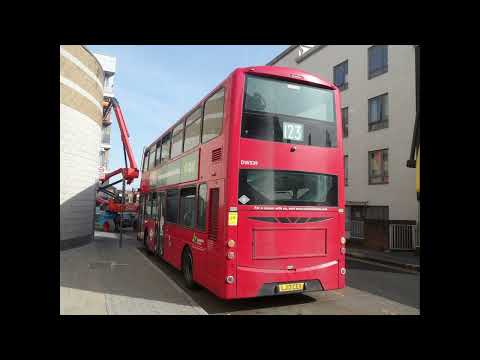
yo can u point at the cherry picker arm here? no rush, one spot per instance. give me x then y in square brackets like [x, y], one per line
[129, 173]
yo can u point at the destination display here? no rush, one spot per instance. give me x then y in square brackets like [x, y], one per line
[178, 171]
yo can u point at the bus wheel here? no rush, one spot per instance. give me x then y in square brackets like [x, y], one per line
[145, 242]
[106, 227]
[187, 268]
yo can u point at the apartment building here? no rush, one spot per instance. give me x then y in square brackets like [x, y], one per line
[378, 103]
[109, 65]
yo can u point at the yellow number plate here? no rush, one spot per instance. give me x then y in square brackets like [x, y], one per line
[290, 287]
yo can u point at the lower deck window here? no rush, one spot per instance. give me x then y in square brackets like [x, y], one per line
[172, 206]
[187, 207]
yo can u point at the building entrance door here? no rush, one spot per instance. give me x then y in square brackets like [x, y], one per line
[160, 222]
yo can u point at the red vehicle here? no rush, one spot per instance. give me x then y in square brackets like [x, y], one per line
[245, 194]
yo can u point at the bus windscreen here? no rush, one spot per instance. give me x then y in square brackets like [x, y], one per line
[277, 187]
[283, 111]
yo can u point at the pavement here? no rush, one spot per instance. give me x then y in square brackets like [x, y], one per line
[102, 279]
[404, 259]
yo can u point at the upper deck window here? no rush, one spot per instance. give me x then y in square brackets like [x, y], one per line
[192, 130]
[283, 111]
[177, 140]
[166, 147]
[151, 160]
[145, 161]
[157, 153]
[213, 116]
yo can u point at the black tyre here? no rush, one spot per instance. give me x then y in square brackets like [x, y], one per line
[145, 243]
[187, 269]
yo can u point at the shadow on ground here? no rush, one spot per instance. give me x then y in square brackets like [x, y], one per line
[103, 267]
[213, 305]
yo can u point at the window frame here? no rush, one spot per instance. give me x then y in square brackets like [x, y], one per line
[383, 123]
[204, 228]
[381, 70]
[344, 85]
[203, 114]
[383, 176]
[179, 219]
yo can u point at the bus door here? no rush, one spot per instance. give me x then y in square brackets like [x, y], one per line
[141, 212]
[160, 221]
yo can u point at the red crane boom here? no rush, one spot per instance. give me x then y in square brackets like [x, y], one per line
[131, 172]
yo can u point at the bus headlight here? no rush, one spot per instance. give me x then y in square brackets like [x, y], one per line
[230, 255]
[343, 240]
[343, 271]
[229, 279]
[231, 243]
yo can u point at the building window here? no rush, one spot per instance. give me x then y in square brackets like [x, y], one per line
[165, 148]
[172, 206]
[192, 130]
[345, 121]
[202, 207]
[378, 112]
[213, 116]
[378, 213]
[187, 207]
[106, 130]
[345, 165]
[340, 75]
[378, 167]
[377, 60]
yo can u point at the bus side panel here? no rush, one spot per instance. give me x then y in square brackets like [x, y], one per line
[216, 247]
[199, 253]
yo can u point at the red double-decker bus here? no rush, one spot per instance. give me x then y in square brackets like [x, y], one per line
[245, 194]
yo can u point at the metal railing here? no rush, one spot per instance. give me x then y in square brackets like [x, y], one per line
[355, 229]
[403, 236]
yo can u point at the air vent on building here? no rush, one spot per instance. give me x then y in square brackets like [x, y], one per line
[217, 154]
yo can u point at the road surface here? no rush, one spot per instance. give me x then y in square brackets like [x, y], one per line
[371, 289]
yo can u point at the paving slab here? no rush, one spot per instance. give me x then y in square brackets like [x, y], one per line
[101, 278]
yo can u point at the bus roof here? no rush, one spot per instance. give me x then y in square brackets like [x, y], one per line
[278, 71]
